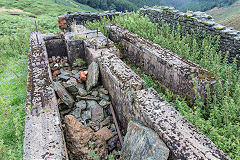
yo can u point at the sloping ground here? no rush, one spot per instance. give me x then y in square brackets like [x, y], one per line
[228, 16]
[14, 38]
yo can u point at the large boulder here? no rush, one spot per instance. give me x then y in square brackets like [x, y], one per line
[92, 77]
[82, 141]
[142, 143]
[63, 94]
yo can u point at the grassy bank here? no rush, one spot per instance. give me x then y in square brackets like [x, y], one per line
[219, 118]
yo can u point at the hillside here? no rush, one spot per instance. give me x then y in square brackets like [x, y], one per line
[17, 20]
[228, 16]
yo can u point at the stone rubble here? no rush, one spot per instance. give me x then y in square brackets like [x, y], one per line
[84, 109]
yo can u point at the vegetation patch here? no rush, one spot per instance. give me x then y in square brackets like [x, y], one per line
[219, 117]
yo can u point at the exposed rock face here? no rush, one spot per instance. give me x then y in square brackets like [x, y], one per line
[141, 143]
[78, 137]
[63, 94]
[92, 77]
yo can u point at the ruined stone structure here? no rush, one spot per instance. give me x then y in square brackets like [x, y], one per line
[173, 71]
[131, 100]
[198, 22]
[65, 21]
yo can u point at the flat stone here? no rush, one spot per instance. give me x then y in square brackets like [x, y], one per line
[92, 77]
[63, 77]
[105, 132]
[81, 104]
[65, 72]
[77, 76]
[63, 94]
[76, 113]
[106, 122]
[82, 92]
[95, 93]
[80, 85]
[93, 125]
[104, 103]
[143, 143]
[104, 96]
[96, 110]
[78, 138]
[103, 90]
[71, 86]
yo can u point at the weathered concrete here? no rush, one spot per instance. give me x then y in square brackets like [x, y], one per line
[199, 22]
[119, 79]
[180, 136]
[171, 70]
[43, 134]
[141, 143]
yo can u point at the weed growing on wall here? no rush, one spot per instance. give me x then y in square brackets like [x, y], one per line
[219, 117]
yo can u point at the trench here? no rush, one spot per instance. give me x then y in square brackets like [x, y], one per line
[84, 105]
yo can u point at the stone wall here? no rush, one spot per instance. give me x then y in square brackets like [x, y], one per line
[198, 21]
[43, 133]
[65, 21]
[173, 71]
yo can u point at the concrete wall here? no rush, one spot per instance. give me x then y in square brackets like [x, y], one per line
[171, 70]
[198, 21]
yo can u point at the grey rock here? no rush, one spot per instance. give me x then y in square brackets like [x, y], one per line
[103, 90]
[82, 92]
[71, 86]
[141, 143]
[104, 103]
[80, 85]
[65, 72]
[77, 76]
[63, 94]
[76, 113]
[95, 93]
[88, 98]
[81, 104]
[104, 96]
[74, 72]
[96, 110]
[93, 125]
[92, 77]
[86, 115]
[63, 77]
[113, 143]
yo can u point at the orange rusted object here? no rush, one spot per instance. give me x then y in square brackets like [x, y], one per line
[62, 23]
[55, 73]
[83, 75]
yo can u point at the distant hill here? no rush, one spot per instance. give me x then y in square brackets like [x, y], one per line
[228, 16]
[183, 5]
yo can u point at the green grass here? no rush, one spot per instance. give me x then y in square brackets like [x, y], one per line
[219, 118]
[14, 39]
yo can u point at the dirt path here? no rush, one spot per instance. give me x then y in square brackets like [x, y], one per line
[2, 9]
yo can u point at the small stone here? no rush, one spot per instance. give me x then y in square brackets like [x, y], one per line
[74, 72]
[80, 85]
[76, 76]
[104, 96]
[82, 92]
[56, 72]
[102, 90]
[104, 103]
[86, 115]
[53, 58]
[66, 65]
[64, 78]
[81, 104]
[71, 86]
[50, 60]
[113, 143]
[63, 94]
[93, 125]
[65, 73]
[95, 93]
[105, 132]
[76, 113]
[106, 122]
[58, 59]
[92, 77]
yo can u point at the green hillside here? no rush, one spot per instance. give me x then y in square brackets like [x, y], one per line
[228, 16]
[16, 23]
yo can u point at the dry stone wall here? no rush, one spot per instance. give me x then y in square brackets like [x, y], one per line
[198, 22]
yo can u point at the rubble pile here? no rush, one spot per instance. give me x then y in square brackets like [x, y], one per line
[84, 109]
